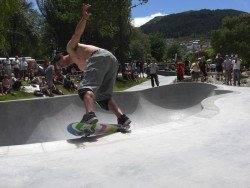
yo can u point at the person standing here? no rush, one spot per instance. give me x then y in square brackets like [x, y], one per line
[16, 67]
[49, 77]
[153, 68]
[227, 65]
[23, 68]
[203, 68]
[145, 67]
[7, 66]
[195, 71]
[236, 70]
[2, 71]
[100, 69]
[219, 66]
[180, 70]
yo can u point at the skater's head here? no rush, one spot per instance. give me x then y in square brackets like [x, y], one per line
[60, 60]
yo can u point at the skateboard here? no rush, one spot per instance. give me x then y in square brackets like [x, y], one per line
[83, 129]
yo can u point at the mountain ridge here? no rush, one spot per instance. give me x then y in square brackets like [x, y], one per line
[189, 23]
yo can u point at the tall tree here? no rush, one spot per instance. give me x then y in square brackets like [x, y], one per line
[233, 37]
[103, 28]
[62, 17]
[158, 46]
[19, 34]
[6, 8]
[139, 45]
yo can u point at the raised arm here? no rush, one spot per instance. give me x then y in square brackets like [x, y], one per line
[72, 44]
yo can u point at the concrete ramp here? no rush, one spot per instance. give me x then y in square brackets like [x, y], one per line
[45, 119]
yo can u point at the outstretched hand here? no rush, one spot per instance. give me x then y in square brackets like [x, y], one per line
[85, 13]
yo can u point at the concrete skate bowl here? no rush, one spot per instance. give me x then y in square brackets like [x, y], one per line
[45, 119]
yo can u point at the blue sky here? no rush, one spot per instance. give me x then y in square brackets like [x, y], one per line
[144, 13]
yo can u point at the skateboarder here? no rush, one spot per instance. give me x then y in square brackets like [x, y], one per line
[100, 69]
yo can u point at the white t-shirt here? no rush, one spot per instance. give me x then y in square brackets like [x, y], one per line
[7, 64]
[16, 64]
[236, 64]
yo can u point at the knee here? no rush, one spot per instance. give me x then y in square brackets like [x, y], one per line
[85, 93]
[104, 104]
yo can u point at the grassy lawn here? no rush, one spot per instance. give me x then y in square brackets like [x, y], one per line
[120, 86]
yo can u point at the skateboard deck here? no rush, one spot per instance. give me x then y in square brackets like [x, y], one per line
[83, 129]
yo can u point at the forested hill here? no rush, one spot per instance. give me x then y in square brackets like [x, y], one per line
[190, 23]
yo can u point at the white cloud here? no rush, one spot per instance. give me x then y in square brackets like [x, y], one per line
[137, 22]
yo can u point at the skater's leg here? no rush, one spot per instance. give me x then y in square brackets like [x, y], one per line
[114, 108]
[89, 101]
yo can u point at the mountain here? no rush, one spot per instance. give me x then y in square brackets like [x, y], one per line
[190, 23]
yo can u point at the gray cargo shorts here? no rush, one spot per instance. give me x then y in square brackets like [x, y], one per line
[100, 75]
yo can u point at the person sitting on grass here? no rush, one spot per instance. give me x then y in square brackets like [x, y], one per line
[6, 84]
[58, 77]
[15, 83]
[44, 88]
[127, 72]
[69, 84]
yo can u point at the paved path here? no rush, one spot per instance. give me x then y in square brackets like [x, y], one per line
[164, 80]
[207, 148]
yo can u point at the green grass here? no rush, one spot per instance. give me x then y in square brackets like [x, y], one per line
[17, 95]
[120, 86]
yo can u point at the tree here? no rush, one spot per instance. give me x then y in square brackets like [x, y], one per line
[18, 27]
[108, 27]
[173, 50]
[6, 8]
[62, 17]
[139, 45]
[158, 46]
[233, 37]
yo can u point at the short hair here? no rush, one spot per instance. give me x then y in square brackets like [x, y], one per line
[56, 58]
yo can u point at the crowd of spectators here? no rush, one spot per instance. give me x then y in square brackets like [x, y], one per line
[227, 69]
[15, 71]
[22, 74]
[139, 69]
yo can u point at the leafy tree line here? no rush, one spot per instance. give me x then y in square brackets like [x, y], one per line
[108, 27]
[19, 28]
[25, 32]
[233, 37]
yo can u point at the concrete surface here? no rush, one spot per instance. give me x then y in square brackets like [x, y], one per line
[174, 142]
